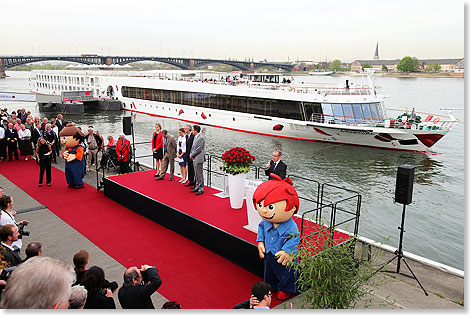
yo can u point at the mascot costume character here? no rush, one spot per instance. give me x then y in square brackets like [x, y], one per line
[278, 235]
[71, 137]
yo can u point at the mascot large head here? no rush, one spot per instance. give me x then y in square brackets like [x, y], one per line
[276, 200]
[71, 136]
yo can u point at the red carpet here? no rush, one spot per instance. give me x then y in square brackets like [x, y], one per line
[192, 275]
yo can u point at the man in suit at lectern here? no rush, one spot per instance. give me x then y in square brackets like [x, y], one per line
[276, 166]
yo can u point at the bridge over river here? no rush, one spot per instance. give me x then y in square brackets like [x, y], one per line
[7, 62]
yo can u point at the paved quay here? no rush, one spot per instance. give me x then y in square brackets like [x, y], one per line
[61, 241]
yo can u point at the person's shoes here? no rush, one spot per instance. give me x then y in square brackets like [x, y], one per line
[9, 160]
[159, 178]
[79, 186]
[156, 175]
[200, 192]
[282, 296]
[39, 184]
[26, 159]
[171, 178]
[180, 181]
[71, 186]
[189, 184]
[194, 186]
[48, 184]
[194, 190]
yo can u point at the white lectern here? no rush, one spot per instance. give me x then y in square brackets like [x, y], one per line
[253, 217]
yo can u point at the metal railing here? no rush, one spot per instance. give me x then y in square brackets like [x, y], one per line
[335, 208]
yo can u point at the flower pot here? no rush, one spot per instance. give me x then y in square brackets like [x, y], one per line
[236, 190]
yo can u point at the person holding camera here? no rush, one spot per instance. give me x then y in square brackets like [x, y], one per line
[8, 217]
[8, 235]
[44, 156]
[99, 296]
[138, 287]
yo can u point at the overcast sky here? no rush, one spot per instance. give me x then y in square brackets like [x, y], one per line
[239, 29]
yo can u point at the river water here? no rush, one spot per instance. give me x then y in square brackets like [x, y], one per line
[434, 222]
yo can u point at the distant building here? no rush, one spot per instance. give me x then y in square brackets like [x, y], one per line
[376, 55]
[447, 65]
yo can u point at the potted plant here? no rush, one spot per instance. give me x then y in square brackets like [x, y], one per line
[237, 163]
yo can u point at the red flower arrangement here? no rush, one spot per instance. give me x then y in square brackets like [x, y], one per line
[237, 160]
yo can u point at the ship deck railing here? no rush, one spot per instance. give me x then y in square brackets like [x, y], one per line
[427, 121]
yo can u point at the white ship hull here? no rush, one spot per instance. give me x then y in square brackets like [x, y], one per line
[419, 137]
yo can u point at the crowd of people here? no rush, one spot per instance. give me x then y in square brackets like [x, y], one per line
[40, 282]
[22, 135]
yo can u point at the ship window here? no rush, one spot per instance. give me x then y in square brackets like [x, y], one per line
[357, 109]
[327, 112]
[366, 110]
[338, 112]
[373, 110]
[348, 113]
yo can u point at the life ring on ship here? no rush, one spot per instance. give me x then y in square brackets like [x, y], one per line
[436, 120]
[292, 89]
[406, 125]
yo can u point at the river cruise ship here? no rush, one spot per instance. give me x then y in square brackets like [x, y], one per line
[259, 103]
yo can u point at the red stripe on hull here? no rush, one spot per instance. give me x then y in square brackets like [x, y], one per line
[274, 135]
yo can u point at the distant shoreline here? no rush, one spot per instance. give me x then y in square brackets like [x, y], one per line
[393, 74]
[355, 74]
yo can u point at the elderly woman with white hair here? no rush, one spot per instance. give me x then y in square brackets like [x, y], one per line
[78, 297]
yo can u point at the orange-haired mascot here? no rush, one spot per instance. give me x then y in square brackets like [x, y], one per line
[278, 235]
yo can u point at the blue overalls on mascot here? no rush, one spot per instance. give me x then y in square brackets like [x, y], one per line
[278, 235]
[71, 137]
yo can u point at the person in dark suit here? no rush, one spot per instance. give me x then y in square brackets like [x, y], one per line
[60, 123]
[139, 285]
[35, 135]
[8, 235]
[189, 144]
[276, 166]
[197, 155]
[12, 142]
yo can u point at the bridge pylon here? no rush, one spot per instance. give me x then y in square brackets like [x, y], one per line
[2, 70]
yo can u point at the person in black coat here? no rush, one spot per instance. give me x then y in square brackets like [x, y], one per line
[189, 144]
[98, 297]
[12, 142]
[138, 287]
[276, 166]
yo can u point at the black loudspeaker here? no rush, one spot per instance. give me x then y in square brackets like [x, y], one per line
[404, 187]
[126, 125]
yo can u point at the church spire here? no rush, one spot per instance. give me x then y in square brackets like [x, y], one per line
[376, 55]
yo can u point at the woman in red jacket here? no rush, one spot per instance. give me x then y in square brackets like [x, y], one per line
[123, 148]
[157, 148]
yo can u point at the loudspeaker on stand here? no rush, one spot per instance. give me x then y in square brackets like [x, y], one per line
[127, 125]
[404, 185]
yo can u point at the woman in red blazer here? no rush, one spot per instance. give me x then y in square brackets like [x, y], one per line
[157, 148]
[123, 148]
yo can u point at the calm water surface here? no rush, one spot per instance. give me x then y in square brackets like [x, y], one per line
[434, 221]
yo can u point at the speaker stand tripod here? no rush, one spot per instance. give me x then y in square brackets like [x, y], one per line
[399, 254]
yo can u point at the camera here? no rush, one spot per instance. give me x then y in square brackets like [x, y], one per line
[5, 274]
[22, 231]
